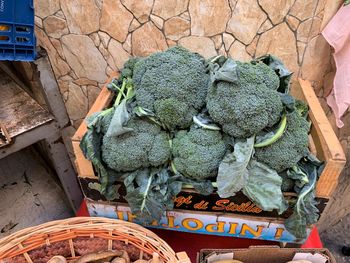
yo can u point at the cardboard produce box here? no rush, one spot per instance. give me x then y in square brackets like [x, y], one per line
[235, 216]
[266, 254]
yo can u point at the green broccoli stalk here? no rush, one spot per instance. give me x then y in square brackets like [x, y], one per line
[276, 135]
[141, 112]
[116, 88]
[126, 73]
[97, 118]
[205, 123]
[290, 148]
[105, 114]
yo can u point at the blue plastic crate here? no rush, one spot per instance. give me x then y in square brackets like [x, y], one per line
[17, 39]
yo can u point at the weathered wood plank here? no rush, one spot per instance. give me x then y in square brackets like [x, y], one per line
[5, 138]
[58, 154]
[30, 137]
[51, 91]
[83, 166]
[8, 68]
[18, 111]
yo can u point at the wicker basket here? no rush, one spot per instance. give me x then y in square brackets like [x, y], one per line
[75, 237]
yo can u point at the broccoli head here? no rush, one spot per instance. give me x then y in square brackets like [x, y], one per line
[197, 153]
[172, 84]
[242, 108]
[146, 145]
[246, 106]
[290, 148]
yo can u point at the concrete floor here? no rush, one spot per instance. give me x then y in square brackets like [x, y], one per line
[336, 237]
[29, 193]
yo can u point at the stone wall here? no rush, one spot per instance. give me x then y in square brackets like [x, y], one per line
[87, 40]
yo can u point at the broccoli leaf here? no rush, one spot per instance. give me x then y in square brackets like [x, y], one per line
[150, 192]
[264, 187]
[288, 101]
[95, 120]
[119, 120]
[311, 160]
[227, 72]
[233, 173]
[296, 173]
[277, 65]
[91, 146]
[287, 183]
[305, 211]
[261, 184]
[204, 187]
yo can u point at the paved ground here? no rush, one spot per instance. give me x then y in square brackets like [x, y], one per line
[29, 193]
[336, 237]
[334, 225]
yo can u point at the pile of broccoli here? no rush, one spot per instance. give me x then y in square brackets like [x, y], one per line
[177, 116]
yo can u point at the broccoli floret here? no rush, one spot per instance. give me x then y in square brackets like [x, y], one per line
[147, 145]
[171, 111]
[128, 68]
[125, 74]
[243, 108]
[197, 153]
[171, 83]
[290, 148]
[259, 73]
